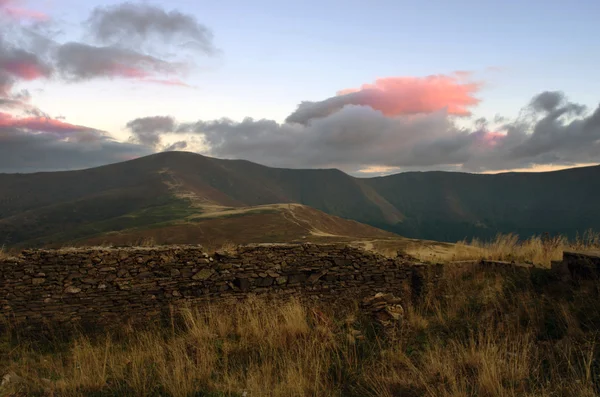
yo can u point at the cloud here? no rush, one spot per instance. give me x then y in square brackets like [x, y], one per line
[147, 130]
[18, 64]
[133, 25]
[394, 96]
[168, 82]
[355, 135]
[12, 10]
[31, 140]
[137, 42]
[179, 145]
[40, 124]
[27, 151]
[547, 101]
[362, 139]
[78, 61]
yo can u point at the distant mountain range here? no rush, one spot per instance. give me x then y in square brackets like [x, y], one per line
[181, 192]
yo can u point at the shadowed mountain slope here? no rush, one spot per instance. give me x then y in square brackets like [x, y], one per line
[167, 188]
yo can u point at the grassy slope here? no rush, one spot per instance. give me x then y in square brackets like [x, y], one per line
[248, 225]
[431, 205]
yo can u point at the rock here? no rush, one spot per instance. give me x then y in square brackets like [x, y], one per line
[281, 280]
[264, 282]
[582, 265]
[203, 274]
[313, 278]
[38, 281]
[175, 272]
[8, 378]
[242, 283]
[385, 309]
[72, 290]
[89, 281]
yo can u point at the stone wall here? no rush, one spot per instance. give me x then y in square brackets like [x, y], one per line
[580, 265]
[110, 285]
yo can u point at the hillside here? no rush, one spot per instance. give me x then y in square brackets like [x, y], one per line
[218, 226]
[450, 206]
[162, 190]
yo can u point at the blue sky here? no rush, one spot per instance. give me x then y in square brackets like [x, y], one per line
[275, 54]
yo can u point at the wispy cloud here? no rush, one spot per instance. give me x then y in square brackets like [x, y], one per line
[39, 124]
[78, 61]
[168, 82]
[137, 25]
[14, 10]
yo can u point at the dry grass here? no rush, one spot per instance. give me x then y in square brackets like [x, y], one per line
[4, 253]
[227, 247]
[539, 250]
[482, 335]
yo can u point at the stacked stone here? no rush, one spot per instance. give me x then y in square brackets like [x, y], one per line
[385, 309]
[109, 284]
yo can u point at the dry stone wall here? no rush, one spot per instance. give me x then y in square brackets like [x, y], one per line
[110, 285]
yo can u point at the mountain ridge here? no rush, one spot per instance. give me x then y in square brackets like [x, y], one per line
[434, 205]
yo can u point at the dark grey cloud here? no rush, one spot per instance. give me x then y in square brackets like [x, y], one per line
[148, 130]
[134, 25]
[180, 145]
[308, 110]
[547, 100]
[137, 41]
[356, 137]
[28, 151]
[17, 64]
[77, 61]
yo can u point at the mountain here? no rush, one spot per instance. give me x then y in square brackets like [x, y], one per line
[165, 190]
[178, 197]
[449, 206]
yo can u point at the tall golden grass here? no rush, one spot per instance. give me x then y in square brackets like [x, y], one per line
[539, 250]
[4, 253]
[484, 334]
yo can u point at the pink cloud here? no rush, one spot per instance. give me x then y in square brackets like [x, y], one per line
[170, 82]
[24, 70]
[11, 9]
[395, 96]
[42, 124]
[130, 72]
[141, 75]
[488, 139]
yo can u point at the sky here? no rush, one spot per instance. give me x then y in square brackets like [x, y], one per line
[367, 87]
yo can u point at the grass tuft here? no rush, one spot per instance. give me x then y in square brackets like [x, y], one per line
[539, 250]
